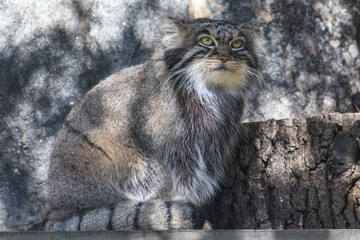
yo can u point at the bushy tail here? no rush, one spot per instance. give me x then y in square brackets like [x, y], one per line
[129, 215]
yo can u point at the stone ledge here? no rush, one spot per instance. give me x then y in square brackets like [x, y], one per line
[332, 234]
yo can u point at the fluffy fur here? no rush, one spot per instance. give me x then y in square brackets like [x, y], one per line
[148, 145]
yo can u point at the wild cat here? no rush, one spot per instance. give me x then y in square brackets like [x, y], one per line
[146, 147]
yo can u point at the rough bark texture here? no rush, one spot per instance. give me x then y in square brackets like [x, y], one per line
[52, 52]
[294, 173]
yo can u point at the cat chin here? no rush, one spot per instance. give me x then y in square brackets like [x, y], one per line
[225, 78]
[209, 77]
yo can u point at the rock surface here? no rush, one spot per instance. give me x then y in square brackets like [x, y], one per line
[52, 52]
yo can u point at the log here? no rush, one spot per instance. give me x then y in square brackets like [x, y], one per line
[293, 174]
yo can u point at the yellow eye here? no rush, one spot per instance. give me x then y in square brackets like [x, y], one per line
[207, 41]
[238, 43]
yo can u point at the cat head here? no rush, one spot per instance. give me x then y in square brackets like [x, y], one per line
[206, 54]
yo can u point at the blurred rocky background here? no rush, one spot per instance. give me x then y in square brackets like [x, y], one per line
[52, 52]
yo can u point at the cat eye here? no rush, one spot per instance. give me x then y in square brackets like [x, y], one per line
[207, 41]
[237, 43]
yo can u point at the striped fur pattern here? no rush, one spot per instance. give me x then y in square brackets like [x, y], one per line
[128, 215]
[146, 147]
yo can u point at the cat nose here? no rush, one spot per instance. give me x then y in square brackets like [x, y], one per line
[224, 58]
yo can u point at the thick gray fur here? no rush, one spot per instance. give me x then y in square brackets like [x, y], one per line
[149, 144]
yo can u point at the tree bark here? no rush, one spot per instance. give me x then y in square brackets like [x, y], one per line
[293, 174]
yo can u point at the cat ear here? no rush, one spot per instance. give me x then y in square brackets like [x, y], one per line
[255, 31]
[178, 22]
[172, 32]
[171, 25]
[254, 28]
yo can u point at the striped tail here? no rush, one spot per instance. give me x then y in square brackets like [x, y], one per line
[129, 215]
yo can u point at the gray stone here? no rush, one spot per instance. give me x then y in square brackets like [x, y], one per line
[353, 49]
[53, 52]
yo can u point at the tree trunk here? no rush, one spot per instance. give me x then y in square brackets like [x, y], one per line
[293, 174]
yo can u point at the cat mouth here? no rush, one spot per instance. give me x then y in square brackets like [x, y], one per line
[221, 68]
